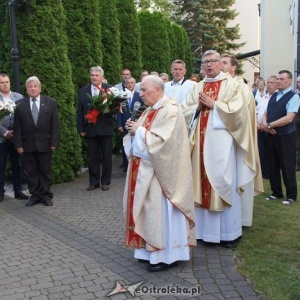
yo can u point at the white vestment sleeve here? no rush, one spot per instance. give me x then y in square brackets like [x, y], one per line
[217, 122]
[139, 148]
[127, 144]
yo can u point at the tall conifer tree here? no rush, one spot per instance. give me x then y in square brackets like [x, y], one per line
[206, 25]
[84, 38]
[155, 42]
[130, 36]
[43, 45]
[172, 41]
[5, 53]
[110, 40]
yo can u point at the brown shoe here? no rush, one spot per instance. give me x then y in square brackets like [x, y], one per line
[105, 187]
[92, 187]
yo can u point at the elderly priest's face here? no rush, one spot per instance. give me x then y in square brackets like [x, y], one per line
[150, 91]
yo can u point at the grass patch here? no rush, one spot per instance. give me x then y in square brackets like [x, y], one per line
[269, 252]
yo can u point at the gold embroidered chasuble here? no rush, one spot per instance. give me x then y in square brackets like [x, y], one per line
[216, 146]
[168, 172]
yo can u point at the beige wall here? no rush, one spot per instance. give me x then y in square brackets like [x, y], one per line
[248, 20]
[277, 41]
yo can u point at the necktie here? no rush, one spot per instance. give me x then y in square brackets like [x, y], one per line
[34, 111]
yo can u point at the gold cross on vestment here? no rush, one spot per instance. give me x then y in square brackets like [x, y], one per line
[210, 92]
[206, 194]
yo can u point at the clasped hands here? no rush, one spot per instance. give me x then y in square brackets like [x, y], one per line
[265, 128]
[131, 126]
[204, 100]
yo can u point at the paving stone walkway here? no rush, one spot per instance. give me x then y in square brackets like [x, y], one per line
[74, 250]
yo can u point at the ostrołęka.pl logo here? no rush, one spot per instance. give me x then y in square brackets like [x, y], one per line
[138, 289]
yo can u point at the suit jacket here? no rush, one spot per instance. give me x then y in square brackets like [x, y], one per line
[127, 111]
[104, 125]
[8, 120]
[41, 137]
[120, 86]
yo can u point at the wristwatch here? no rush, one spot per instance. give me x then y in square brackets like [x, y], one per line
[269, 126]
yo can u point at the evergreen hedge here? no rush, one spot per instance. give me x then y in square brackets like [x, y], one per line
[110, 41]
[155, 42]
[84, 38]
[129, 28]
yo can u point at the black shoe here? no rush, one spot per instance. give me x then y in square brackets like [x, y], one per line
[32, 202]
[161, 266]
[21, 196]
[1, 198]
[92, 187]
[105, 188]
[48, 203]
[230, 244]
[143, 261]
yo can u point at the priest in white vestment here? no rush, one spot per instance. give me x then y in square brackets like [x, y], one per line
[223, 152]
[230, 64]
[180, 87]
[158, 196]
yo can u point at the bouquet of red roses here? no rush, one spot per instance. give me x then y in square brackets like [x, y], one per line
[108, 101]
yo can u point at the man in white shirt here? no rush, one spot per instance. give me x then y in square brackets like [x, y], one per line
[261, 134]
[180, 87]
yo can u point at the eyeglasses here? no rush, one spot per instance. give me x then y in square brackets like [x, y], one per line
[212, 61]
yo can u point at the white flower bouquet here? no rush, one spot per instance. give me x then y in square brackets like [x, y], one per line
[6, 108]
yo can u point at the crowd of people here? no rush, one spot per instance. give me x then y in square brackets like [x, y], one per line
[195, 158]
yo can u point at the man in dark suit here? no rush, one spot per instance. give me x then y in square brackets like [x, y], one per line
[99, 135]
[7, 147]
[36, 132]
[127, 110]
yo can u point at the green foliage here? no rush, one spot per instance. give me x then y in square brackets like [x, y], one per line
[110, 40]
[130, 37]
[184, 51]
[206, 25]
[155, 42]
[174, 49]
[5, 49]
[84, 38]
[44, 54]
[179, 41]
[188, 53]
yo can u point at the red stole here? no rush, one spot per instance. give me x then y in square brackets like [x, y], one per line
[211, 89]
[132, 239]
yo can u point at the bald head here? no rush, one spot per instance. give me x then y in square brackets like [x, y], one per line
[152, 89]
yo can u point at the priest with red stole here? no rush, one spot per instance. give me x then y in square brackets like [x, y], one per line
[223, 153]
[158, 196]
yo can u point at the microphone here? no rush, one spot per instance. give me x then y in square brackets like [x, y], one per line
[136, 108]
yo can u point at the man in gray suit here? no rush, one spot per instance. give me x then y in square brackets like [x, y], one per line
[36, 131]
[7, 147]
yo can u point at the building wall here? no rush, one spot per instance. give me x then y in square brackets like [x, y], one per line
[277, 39]
[248, 20]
